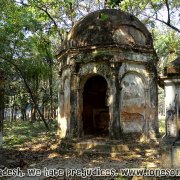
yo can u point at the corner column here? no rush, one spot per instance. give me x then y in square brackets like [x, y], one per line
[114, 127]
[74, 101]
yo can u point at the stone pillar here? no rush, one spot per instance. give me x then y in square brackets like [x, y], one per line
[115, 129]
[146, 117]
[79, 112]
[74, 97]
[170, 104]
[178, 110]
[153, 102]
[62, 128]
[61, 98]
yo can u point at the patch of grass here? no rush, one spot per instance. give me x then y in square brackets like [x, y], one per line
[20, 132]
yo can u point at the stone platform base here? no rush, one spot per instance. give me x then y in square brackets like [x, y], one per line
[170, 150]
[111, 148]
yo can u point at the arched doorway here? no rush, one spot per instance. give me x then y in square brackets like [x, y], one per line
[95, 111]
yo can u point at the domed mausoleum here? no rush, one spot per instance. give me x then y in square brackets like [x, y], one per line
[108, 78]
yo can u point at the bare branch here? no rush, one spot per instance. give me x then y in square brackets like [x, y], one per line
[164, 22]
[168, 22]
[167, 6]
[169, 25]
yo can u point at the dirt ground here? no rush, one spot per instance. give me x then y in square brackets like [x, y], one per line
[47, 155]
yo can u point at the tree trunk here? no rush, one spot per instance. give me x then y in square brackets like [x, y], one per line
[28, 89]
[12, 113]
[51, 88]
[1, 115]
[15, 109]
[54, 113]
[43, 110]
[12, 109]
[33, 113]
[1, 127]
[23, 114]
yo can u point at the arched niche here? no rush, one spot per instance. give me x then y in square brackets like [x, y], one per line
[133, 101]
[129, 35]
[95, 114]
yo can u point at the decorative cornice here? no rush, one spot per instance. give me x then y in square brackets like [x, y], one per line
[111, 47]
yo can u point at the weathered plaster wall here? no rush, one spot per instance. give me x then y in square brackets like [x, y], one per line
[172, 93]
[147, 77]
[126, 34]
[129, 96]
[132, 103]
[64, 104]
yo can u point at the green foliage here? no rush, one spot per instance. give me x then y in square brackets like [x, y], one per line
[104, 16]
[113, 3]
[167, 47]
[102, 54]
[165, 12]
[167, 42]
[27, 50]
[18, 133]
[162, 128]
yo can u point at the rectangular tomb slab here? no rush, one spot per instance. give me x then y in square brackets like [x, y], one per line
[176, 155]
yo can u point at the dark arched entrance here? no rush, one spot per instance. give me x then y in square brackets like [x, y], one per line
[95, 111]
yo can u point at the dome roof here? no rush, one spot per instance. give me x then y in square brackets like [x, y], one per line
[108, 27]
[176, 62]
[174, 66]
